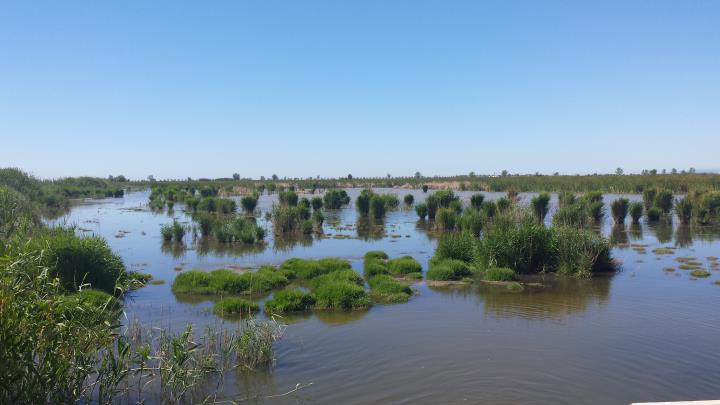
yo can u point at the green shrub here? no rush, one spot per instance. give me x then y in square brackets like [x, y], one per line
[166, 230]
[448, 270]
[540, 205]
[488, 209]
[78, 260]
[285, 301]
[362, 203]
[377, 206]
[375, 267]
[424, 188]
[196, 282]
[499, 274]
[229, 229]
[376, 254]
[404, 265]
[525, 247]
[472, 221]
[408, 199]
[503, 204]
[649, 198]
[228, 281]
[579, 252]
[421, 210]
[235, 306]
[341, 295]
[619, 210]
[596, 210]
[305, 269]
[476, 200]
[571, 215]
[304, 203]
[92, 298]
[566, 199]
[636, 212]
[384, 289]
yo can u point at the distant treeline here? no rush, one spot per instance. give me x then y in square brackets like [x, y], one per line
[607, 183]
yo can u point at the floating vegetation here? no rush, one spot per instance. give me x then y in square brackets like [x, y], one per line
[663, 251]
[699, 273]
[712, 258]
[684, 259]
[157, 282]
[386, 290]
[669, 269]
[685, 266]
[515, 287]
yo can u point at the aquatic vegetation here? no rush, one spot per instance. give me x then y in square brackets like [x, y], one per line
[684, 210]
[166, 231]
[341, 295]
[424, 188]
[472, 221]
[237, 229]
[686, 266]
[573, 215]
[653, 214]
[345, 276]
[316, 203]
[384, 289]
[636, 212]
[291, 300]
[421, 210]
[663, 251]
[404, 265]
[515, 287]
[289, 219]
[476, 201]
[448, 270]
[540, 205]
[229, 282]
[649, 198]
[503, 204]
[619, 209]
[376, 255]
[459, 246]
[499, 274]
[664, 201]
[699, 273]
[235, 306]
[306, 269]
[566, 199]
[249, 202]
[446, 219]
[439, 199]
[335, 199]
[408, 199]
[289, 198]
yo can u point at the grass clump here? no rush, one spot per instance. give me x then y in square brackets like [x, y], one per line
[515, 287]
[249, 202]
[289, 198]
[540, 205]
[292, 300]
[345, 276]
[448, 270]
[409, 199]
[384, 289]
[341, 295]
[288, 219]
[316, 203]
[619, 209]
[653, 214]
[235, 306]
[227, 281]
[446, 219]
[404, 265]
[335, 199]
[684, 210]
[499, 274]
[476, 201]
[636, 212]
[421, 210]
[306, 269]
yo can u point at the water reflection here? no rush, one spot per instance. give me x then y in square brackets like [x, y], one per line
[636, 232]
[340, 317]
[619, 235]
[370, 229]
[663, 231]
[174, 249]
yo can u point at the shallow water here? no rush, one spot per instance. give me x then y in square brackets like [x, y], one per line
[642, 334]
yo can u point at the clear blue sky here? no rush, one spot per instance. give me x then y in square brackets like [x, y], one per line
[306, 88]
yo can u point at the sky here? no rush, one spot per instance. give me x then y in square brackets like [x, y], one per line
[308, 88]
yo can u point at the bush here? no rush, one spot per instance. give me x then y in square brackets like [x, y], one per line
[636, 212]
[596, 210]
[580, 252]
[684, 210]
[649, 198]
[459, 246]
[476, 200]
[503, 204]
[316, 203]
[421, 210]
[289, 198]
[540, 205]
[488, 209]
[409, 199]
[448, 270]
[525, 247]
[404, 265]
[78, 260]
[249, 202]
[341, 295]
[499, 274]
[571, 215]
[285, 301]
[384, 289]
[619, 210]
[377, 206]
[235, 306]
[566, 199]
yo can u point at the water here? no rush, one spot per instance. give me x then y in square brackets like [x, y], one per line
[642, 334]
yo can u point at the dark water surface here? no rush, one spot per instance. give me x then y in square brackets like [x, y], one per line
[643, 334]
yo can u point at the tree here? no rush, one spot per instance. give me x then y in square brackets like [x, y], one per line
[504, 173]
[619, 171]
[262, 178]
[653, 172]
[349, 176]
[274, 177]
[418, 175]
[692, 170]
[673, 171]
[389, 176]
[472, 174]
[151, 178]
[236, 176]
